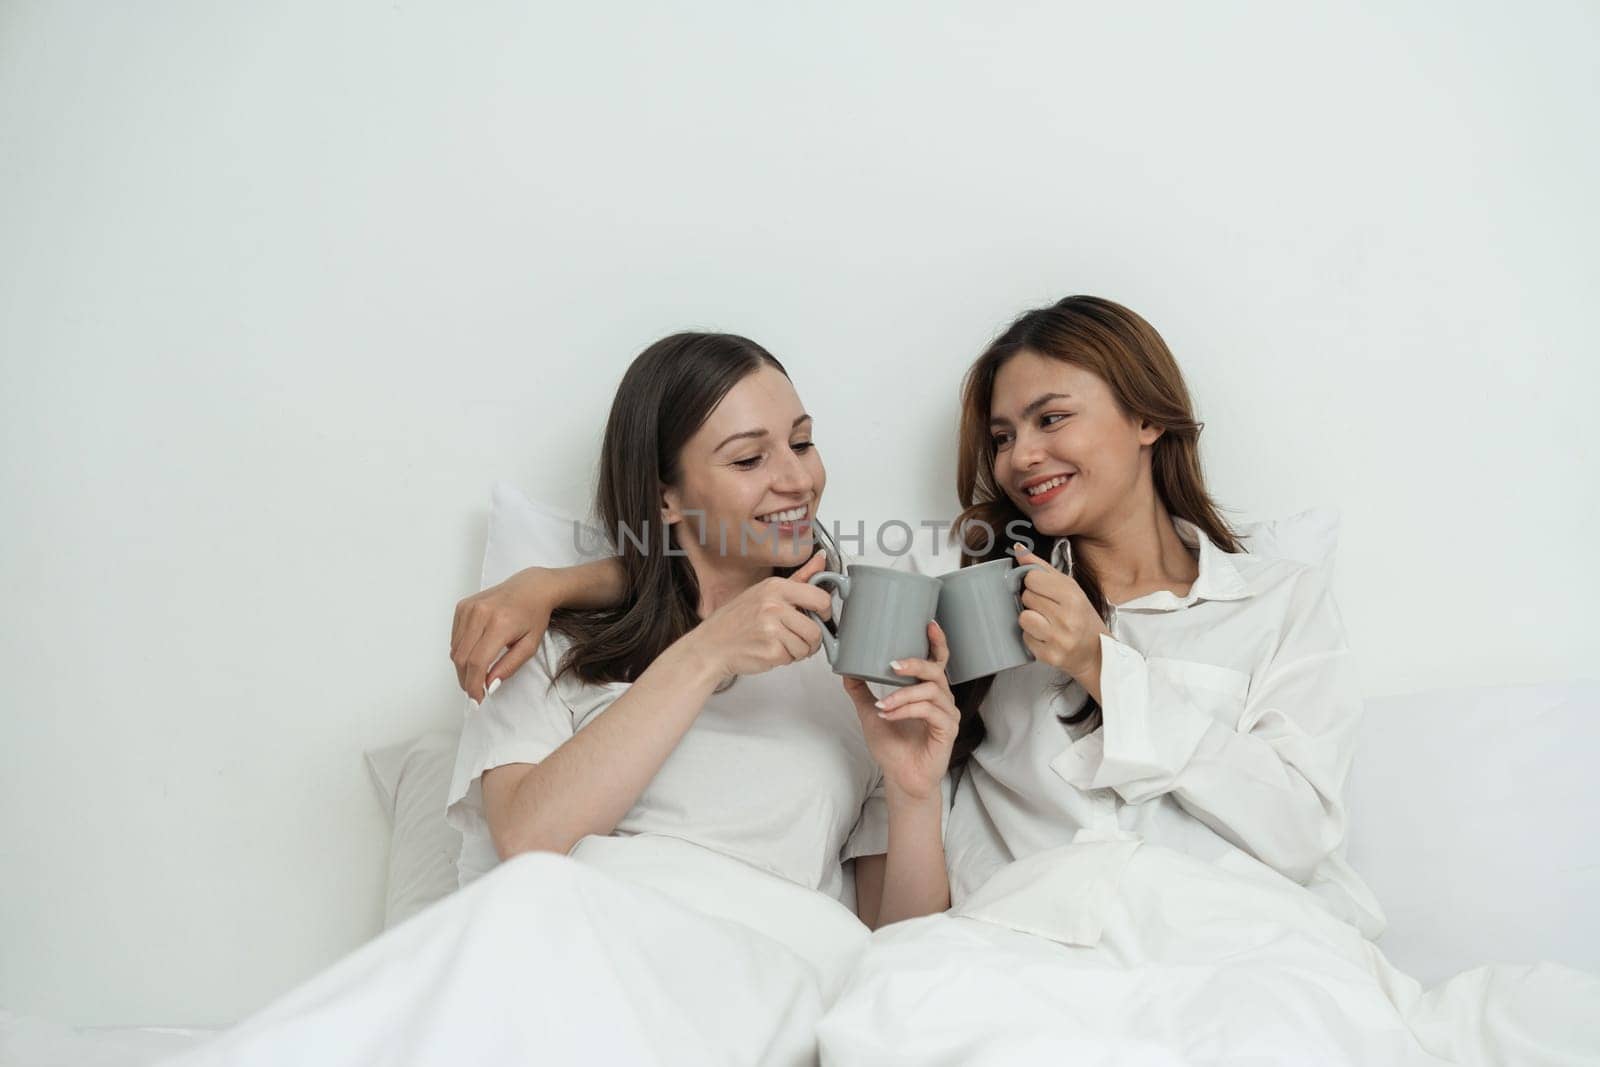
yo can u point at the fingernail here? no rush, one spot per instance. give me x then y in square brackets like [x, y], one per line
[883, 714]
[894, 663]
[879, 704]
[492, 687]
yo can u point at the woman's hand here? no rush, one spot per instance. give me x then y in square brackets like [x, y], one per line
[910, 732]
[765, 626]
[1059, 625]
[510, 617]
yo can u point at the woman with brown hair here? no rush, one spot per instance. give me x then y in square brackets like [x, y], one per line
[1146, 844]
[1183, 691]
[665, 805]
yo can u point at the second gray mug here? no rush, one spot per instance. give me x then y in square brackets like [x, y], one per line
[978, 608]
[884, 617]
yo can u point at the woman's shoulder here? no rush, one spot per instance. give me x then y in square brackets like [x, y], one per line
[1262, 574]
[1292, 600]
[547, 661]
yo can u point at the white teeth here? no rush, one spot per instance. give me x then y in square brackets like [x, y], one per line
[1045, 487]
[792, 515]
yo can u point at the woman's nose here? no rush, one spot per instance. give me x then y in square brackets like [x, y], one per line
[1026, 451]
[793, 476]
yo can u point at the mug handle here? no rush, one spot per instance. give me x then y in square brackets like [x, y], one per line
[1014, 580]
[830, 644]
[1016, 576]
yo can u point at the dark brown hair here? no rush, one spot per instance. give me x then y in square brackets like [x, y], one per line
[1125, 352]
[667, 394]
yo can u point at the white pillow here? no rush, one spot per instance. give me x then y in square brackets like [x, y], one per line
[524, 534]
[1472, 818]
[1311, 537]
[413, 779]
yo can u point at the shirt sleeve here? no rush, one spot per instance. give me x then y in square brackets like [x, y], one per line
[523, 722]
[870, 835]
[1273, 783]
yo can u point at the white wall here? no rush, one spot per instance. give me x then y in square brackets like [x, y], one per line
[285, 287]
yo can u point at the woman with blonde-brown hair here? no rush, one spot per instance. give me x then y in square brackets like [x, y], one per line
[1146, 844]
[1204, 698]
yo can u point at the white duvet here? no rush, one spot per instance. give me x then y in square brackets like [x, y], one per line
[1109, 952]
[635, 951]
[653, 951]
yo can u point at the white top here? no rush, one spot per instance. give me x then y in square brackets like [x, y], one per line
[774, 771]
[1229, 721]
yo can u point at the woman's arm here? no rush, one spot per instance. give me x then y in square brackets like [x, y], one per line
[513, 616]
[910, 880]
[596, 776]
[869, 888]
[915, 881]
[588, 784]
[1273, 782]
[910, 733]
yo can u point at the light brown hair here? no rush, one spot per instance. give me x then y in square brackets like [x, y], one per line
[1125, 352]
[667, 394]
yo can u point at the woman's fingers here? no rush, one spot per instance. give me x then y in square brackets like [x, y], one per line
[1026, 555]
[1048, 585]
[1046, 582]
[807, 597]
[471, 636]
[510, 663]
[815, 565]
[1034, 624]
[486, 653]
[927, 670]
[912, 693]
[938, 646]
[939, 719]
[805, 628]
[1038, 601]
[793, 644]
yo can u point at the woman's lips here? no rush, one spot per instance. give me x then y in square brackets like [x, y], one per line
[789, 527]
[1048, 495]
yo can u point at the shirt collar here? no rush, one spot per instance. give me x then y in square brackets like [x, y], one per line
[1219, 577]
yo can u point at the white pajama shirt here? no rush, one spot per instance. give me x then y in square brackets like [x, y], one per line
[1229, 717]
[774, 772]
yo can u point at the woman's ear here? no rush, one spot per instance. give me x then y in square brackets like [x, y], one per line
[1149, 432]
[671, 505]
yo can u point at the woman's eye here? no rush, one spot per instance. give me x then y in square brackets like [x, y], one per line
[1000, 440]
[803, 447]
[1053, 417]
[748, 464]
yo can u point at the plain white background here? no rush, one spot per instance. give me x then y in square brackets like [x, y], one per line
[284, 288]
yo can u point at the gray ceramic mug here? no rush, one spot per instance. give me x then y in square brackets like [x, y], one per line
[978, 609]
[884, 617]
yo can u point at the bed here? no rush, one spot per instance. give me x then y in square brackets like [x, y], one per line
[1471, 817]
[1470, 813]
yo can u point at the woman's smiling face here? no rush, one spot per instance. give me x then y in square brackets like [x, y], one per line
[1065, 452]
[751, 466]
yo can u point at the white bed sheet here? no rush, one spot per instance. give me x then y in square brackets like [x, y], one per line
[1184, 963]
[26, 1041]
